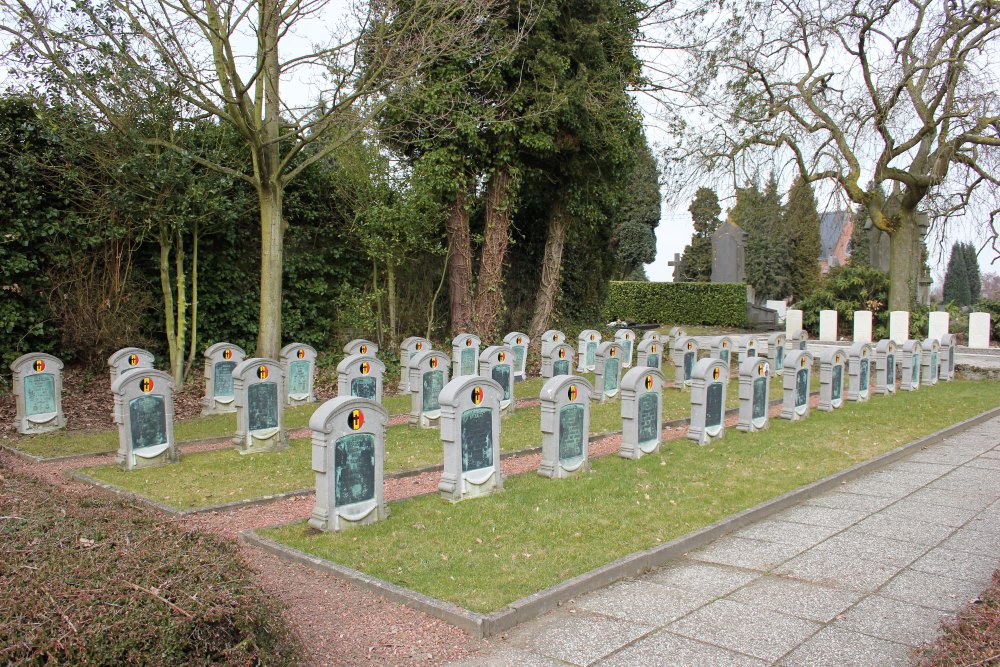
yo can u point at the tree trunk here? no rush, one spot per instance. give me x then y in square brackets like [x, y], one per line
[194, 304]
[459, 263]
[272, 233]
[390, 292]
[902, 277]
[177, 357]
[167, 290]
[496, 238]
[548, 289]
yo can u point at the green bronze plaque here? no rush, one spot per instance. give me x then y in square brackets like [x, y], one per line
[519, 352]
[591, 354]
[477, 439]
[560, 367]
[779, 358]
[649, 418]
[354, 468]
[433, 384]
[653, 360]
[148, 417]
[724, 355]
[838, 382]
[501, 373]
[364, 387]
[571, 433]
[222, 383]
[934, 365]
[627, 344]
[262, 406]
[39, 394]
[864, 372]
[951, 358]
[713, 405]
[688, 365]
[468, 365]
[298, 378]
[759, 397]
[890, 369]
[801, 387]
[611, 368]
[915, 375]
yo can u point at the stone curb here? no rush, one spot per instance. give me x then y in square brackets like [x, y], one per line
[532, 606]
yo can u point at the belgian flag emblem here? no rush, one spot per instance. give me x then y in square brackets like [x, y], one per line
[613, 351]
[591, 336]
[690, 345]
[133, 360]
[227, 354]
[366, 368]
[802, 362]
[562, 352]
[519, 340]
[356, 419]
[572, 392]
[716, 373]
[477, 395]
[434, 362]
[555, 339]
[501, 356]
[649, 382]
[419, 346]
[652, 348]
[146, 385]
[262, 372]
[468, 342]
[363, 349]
[301, 354]
[725, 344]
[39, 365]
[761, 368]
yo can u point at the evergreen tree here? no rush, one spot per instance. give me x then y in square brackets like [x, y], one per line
[759, 214]
[860, 245]
[972, 271]
[697, 259]
[801, 223]
[956, 278]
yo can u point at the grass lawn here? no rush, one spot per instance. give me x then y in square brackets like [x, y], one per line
[483, 554]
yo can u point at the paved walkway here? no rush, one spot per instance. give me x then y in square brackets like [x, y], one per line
[854, 577]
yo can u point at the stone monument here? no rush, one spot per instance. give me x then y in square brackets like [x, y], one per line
[361, 375]
[909, 377]
[565, 426]
[559, 360]
[860, 359]
[144, 412]
[519, 342]
[497, 363]
[220, 360]
[608, 371]
[298, 360]
[795, 383]
[642, 412]
[626, 338]
[465, 354]
[470, 431]
[550, 339]
[728, 254]
[776, 351]
[885, 367]
[38, 393]
[407, 349]
[947, 357]
[683, 355]
[586, 353]
[361, 346]
[831, 379]
[128, 358]
[708, 400]
[428, 376]
[649, 354]
[259, 386]
[755, 389]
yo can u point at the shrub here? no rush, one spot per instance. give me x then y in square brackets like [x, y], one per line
[991, 306]
[718, 304]
[847, 290]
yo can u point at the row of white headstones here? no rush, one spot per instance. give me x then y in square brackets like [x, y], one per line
[939, 323]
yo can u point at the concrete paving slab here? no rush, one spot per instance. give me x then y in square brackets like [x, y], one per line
[837, 647]
[506, 656]
[579, 639]
[985, 462]
[797, 598]
[950, 498]
[871, 485]
[708, 578]
[859, 544]
[957, 564]
[748, 629]
[991, 454]
[892, 620]
[838, 571]
[922, 467]
[977, 480]
[940, 514]
[665, 649]
[851, 501]
[749, 554]
[643, 602]
[931, 590]
[821, 516]
[938, 455]
[784, 532]
[974, 541]
[902, 528]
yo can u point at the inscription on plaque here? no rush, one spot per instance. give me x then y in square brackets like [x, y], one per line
[571, 433]
[519, 357]
[39, 394]
[298, 378]
[501, 374]
[759, 394]
[148, 415]
[223, 382]
[865, 367]
[648, 418]
[468, 361]
[653, 361]
[477, 439]
[364, 387]
[801, 387]
[779, 358]
[354, 468]
[890, 369]
[688, 365]
[951, 358]
[724, 355]
[934, 365]
[591, 354]
[713, 403]
[262, 406]
[561, 367]
[433, 383]
[610, 375]
[627, 344]
[838, 382]
[915, 378]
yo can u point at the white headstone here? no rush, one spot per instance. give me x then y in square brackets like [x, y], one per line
[930, 361]
[550, 339]
[779, 306]
[832, 367]
[649, 353]
[497, 363]
[979, 330]
[626, 338]
[899, 326]
[793, 322]
[470, 431]
[938, 323]
[565, 426]
[428, 377]
[747, 347]
[828, 325]
[684, 354]
[519, 342]
[708, 400]
[586, 350]
[885, 367]
[724, 348]
[947, 358]
[860, 371]
[862, 326]
[755, 389]
[409, 348]
[608, 371]
[909, 376]
[776, 348]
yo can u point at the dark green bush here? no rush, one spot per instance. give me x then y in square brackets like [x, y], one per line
[991, 306]
[847, 290]
[717, 304]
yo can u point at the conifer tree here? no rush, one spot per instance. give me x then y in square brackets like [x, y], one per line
[697, 260]
[801, 224]
[956, 278]
[759, 215]
[972, 272]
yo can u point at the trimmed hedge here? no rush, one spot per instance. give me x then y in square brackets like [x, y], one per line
[717, 304]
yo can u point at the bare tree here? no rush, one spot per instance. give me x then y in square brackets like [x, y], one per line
[220, 59]
[882, 96]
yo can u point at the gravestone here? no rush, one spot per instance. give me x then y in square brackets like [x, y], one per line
[947, 357]
[565, 426]
[144, 412]
[793, 322]
[938, 324]
[862, 326]
[899, 326]
[979, 330]
[407, 349]
[299, 363]
[519, 342]
[798, 342]
[220, 360]
[642, 412]
[795, 383]
[728, 254]
[465, 354]
[708, 401]
[550, 339]
[653, 334]
[497, 363]
[560, 360]
[38, 393]
[361, 346]
[683, 355]
[428, 376]
[776, 351]
[649, 353]
[626, 338]
[586, 351]
[755, 390]
[828, 325]
[128, 358]
[348, 457]
[723, 347]
[885, 367]
[608, 371]
[672, 336]
[778, 306]
[470, 431]
[909, 376]
[259, 385]
[832, 362]
[860, 370]
[362, 376]
[930, 361]
[747, 347]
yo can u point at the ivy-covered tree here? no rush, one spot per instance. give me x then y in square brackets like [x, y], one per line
[697, 258]
[635, 230]
[759, 214]
[801, 226]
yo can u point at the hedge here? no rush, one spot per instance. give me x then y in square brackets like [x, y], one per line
[717, 304]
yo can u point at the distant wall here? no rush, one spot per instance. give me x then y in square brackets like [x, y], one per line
[720, 304]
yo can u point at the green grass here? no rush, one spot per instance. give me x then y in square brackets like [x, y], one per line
[483, 554]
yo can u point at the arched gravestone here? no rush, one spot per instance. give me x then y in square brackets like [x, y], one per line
[946, 357]
[144, 412]
[930, 361]
[642, 412]
[652, 334]
[260, 406]
[586, 350]
[860, 362]
[361, 376]
[220, 360]
[465, 354]
[708, 400]
[795, 383]
[722, 347]
[408, 349]
[832, 364]
[565, 426]
[497, 363]
[361, 346]
[470, 431]
[676, 332]
[348, 457]
[560, 360]
[747, 347]
[428, 376]
[299, 363]
[909, 377]
[38, 393]
[519, 342]
[755, 390]
[128, 358]
[626, 338]
[550, 339]
[885, 367]
[649, 353]
[683, 355]
[608, 371]
[776, 351]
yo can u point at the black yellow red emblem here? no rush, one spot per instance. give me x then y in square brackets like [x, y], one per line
[363, 349]
[434, 362]
[649, 382]
[690, 345]
[501, 356]
[716, 373]
[146, 385]
[39, 365]
[519, 340]
[572, 392]
[760, 369]
[133, 360]
[468, 342]
[613, 351]
[477, 395]
[652, 349]
[366, 368]
[591, 336]
[562, 352]
[262, 372]
[227, 353]
[356, 419]
[301, 353]
[419, 346]
[802, 362]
